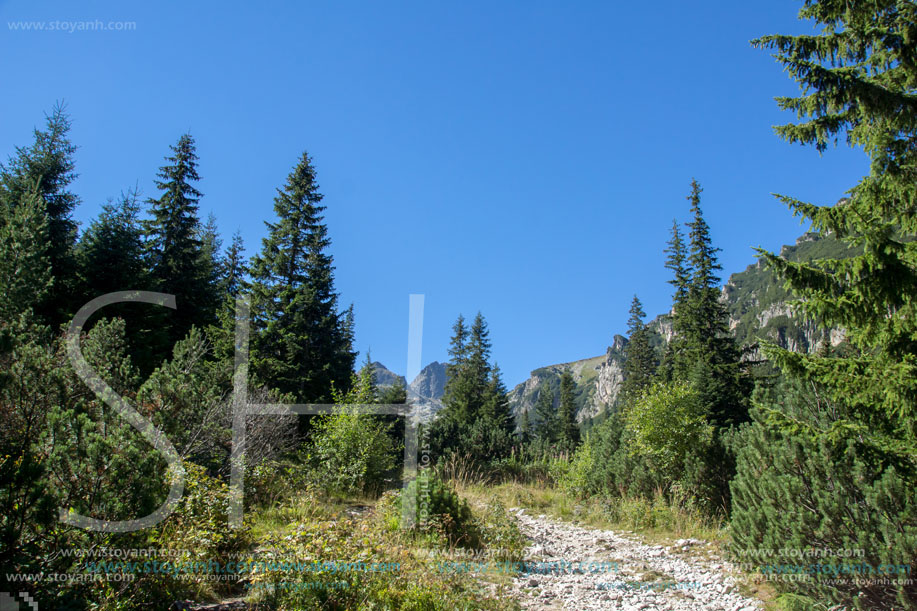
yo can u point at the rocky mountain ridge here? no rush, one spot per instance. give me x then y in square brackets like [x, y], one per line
[426, 390]
[758, 309]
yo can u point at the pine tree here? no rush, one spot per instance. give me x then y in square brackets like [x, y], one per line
[176, 253]
[676, 262]
[476, 418]
[710, 359]
[568, 429]
[496, 409]
[640, 362]
[857, 471]
[24, 270]
[302, 345]
[235, 268]
[46, 169]
[545, 415]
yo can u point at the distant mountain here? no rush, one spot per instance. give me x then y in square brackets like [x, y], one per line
[431, 381]
[598, 381]
[427, 388]
[384, 377]
[758, 309]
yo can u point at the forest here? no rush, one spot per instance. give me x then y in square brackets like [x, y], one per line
[787, 461]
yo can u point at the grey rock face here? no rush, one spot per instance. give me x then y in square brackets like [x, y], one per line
[431, 381]
[758, 309]
[385, 377]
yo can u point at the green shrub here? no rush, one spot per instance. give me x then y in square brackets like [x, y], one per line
[271, 482]
[795, 489]
[668, 424]
[351, 453]
[439, 510]
[500, 532]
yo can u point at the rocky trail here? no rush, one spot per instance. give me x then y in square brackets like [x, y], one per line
[575, 567]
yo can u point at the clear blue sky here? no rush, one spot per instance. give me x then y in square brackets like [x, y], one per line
[524, 159]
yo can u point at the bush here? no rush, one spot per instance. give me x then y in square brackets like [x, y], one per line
[605, 464]
[668, 425]
[438, 510]
[500, 532]
[351, 453]
[796, 489]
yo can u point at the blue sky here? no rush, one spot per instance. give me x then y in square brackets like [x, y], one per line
[524, 159]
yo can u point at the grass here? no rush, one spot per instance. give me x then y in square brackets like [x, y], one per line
[323, 528]
[653, 522]
[656, 522]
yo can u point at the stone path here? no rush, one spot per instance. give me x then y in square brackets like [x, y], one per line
[573, 567]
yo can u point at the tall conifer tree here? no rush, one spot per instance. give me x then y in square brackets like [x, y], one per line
[46, 169]
[568, 429]
[640, 362]
[710, 359]
[545, 414]
[844, 443]
[302, 344]
[234, 268]
[677, 263]
[477, 417]
[176, 253]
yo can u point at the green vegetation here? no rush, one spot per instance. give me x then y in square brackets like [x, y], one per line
[476, 418]
[837, 438]
[814, 449]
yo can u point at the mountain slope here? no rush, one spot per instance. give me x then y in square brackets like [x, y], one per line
[425, 390]
[758, 309]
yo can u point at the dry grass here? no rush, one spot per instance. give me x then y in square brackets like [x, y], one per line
[655, 521]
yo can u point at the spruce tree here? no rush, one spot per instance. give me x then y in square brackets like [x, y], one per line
[110, 252]
[525, 428]
[496, 409]
[180, 266]
[24, 270]
[640, 362]
[302, 343]
[677, 263]
[110, 257]
[234, 268]
[854, 462]
[393, 395]
[459, 391]
[366, 390]
[545, 415]
[476, 418]
[211, 260]
[45, 170]
[568, 429]
[478, 368]
[710, 359]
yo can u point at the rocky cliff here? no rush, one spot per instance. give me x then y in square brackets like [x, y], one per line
[425, 390]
